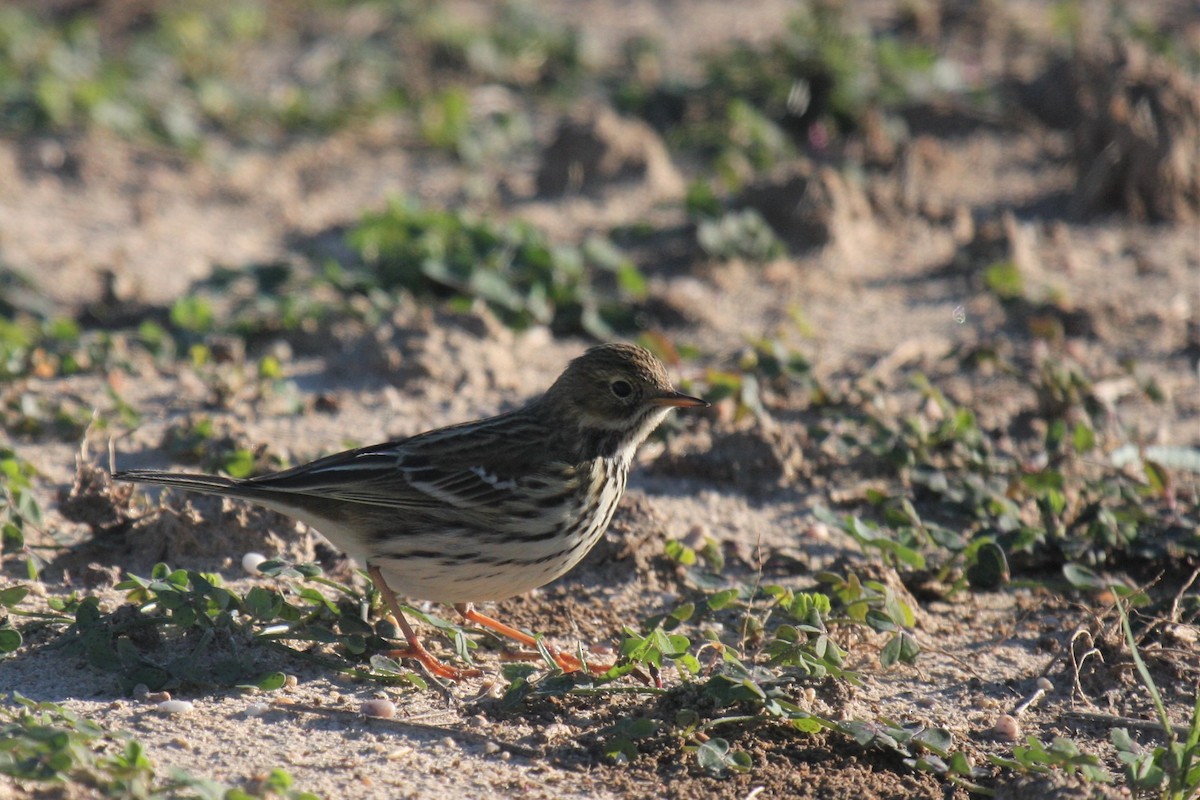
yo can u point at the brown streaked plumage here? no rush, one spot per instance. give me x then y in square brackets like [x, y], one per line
[483, 510]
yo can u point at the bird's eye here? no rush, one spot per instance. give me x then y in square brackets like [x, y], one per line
[621, 389]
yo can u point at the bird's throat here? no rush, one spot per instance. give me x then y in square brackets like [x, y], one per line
[620, 444]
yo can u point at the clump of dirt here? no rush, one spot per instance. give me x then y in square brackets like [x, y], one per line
[1135, 148]
[213, 530]
[95, 501]
[809, 207]
[757, 459]
[597, 148]
[204, 530]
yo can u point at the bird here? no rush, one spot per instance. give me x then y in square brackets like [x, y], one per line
[482, 510]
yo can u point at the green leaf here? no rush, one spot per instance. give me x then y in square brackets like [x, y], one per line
[890, 653]
[239, 463]
[1123, 742]
[11, 537]
[1081, 577]
[807, 724]
[193, 314]
[721, 599]
[271, 681]
[1004, 280]
[715, 756]
[684, 612]
[936, 740]
[10, 640]
[1083, 438]
[13, 595]
[679, 552]
[262, 603]
[990, 569]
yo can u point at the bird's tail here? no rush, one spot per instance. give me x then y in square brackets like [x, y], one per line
[205, 484]
[291, 504]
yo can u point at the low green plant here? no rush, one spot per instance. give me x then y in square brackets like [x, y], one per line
[741, 235]
[197, 440]
[47, 347]
[10, 637]
[512, 267]
[519, 46]
[1170, 771]
[478, 137]
[819, 78]
[183, 71]
[763, 366]
[19, 509]
[48, 746]
[745, 650]
[185, 628]
[1060, 754]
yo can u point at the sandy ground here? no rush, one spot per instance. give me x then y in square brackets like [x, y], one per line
[879, 303]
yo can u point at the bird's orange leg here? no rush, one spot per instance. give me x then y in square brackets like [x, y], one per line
[566, 663]
[415, 650]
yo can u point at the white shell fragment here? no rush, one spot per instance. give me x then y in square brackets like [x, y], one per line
[1007, 728]
[251, 560]
[378, 707]
[175, 706]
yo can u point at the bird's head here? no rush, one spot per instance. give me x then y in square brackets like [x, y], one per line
[616, 394]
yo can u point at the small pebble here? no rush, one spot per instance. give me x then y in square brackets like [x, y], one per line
[820, 532]
[251, 560]
[157, 697]
[378, 707]
[1045, 685]
[290, 682]
[1007, 727]
[695, 537]
[257, 709]
[491, 748]
[175, 706]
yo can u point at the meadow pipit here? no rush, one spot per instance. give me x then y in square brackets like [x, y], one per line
[483, 510]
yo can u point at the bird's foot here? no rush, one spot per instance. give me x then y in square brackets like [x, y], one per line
[566, 663]
[419, 654]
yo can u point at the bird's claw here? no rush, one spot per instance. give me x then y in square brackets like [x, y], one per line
[435, 667]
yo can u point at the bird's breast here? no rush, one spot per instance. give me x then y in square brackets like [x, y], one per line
[529, 544]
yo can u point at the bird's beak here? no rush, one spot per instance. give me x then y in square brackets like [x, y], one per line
[677, 400]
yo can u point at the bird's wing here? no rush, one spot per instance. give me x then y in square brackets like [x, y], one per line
[461, 467]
